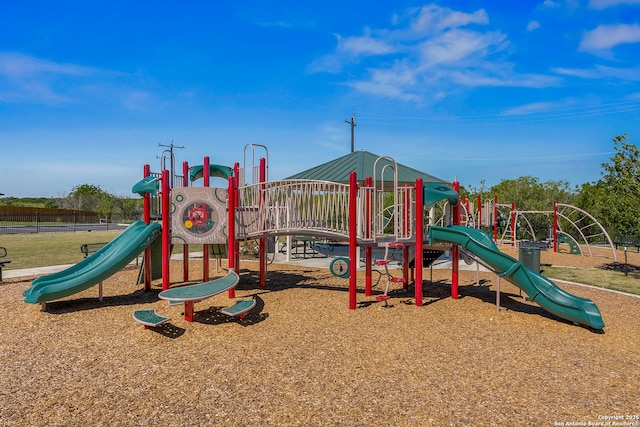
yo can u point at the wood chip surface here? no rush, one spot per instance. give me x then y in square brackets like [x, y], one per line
[302, 358]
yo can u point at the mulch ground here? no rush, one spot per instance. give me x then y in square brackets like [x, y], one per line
[302, 358]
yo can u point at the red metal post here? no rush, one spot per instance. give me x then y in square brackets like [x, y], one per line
[353, 240]
[166, 237]
[188, 311]
[419, 240]
[236, 196]
[454, 248]
[146, 261]
[205, 248]
[185, 248]
[368, 250]
[263, 240]
[479, 212]
[231, 229]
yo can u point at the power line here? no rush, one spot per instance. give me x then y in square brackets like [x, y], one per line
[532, 116]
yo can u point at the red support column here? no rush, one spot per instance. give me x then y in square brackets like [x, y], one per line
[419, 240]
[185, 248]
[188, 311]
[205, 248]
[368, 250]
[231, 229]
[353, 240]
[479, 207]
[454, 248]
[236, 196]
[146, 261]
[166, 236]
[263, 240]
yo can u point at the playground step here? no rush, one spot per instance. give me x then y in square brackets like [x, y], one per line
[239, 308]
[149, 318]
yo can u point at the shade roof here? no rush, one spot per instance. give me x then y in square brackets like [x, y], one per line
[362, 162]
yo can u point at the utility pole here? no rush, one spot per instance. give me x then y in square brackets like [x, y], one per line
[172, 159]
[352, 122]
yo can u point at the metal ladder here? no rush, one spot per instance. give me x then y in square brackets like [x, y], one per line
[390, 278]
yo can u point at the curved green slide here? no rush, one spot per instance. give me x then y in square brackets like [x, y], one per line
[92, 270]
[539, 289]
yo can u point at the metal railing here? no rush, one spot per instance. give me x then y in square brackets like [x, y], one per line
[321, 208]
[293, 207]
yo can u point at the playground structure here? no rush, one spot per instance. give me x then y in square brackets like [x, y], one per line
[569, 228]
[379, 214]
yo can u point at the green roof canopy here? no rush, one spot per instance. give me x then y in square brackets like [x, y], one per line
[362, 163]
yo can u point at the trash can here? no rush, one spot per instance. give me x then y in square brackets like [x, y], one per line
[530, 258]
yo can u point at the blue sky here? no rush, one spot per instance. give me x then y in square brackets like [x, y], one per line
[478, 90]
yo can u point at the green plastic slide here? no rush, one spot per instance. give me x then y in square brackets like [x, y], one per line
[539, 289]
[92, 270]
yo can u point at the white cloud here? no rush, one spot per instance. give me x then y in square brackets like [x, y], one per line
[534, 107]
[24, 78]
[433, 18]
[395, 82]
[601, 72]
[457, 46]
[533, 25]
[429, 50]
[475, 78]
[603, 4]
[18, 66]
[605, 37]
[349, 50]
[550, 4]
[27, 79]
[365, 45]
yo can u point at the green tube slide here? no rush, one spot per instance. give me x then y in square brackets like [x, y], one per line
[539, 288]
[92, 270]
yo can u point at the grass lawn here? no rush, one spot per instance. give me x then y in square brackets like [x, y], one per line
[609, 279]
[45, 249]
[41, 250]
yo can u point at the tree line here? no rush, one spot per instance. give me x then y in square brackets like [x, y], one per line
[614, 200]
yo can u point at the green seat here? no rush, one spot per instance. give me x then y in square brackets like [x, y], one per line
[201, 291]
[149, 318]
[239, 308]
